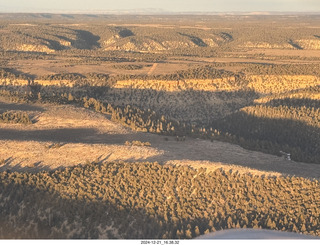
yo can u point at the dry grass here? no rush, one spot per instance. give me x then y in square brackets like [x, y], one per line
[69, 117]
[39, 155]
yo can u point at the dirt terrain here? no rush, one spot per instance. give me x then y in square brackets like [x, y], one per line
[65, 135]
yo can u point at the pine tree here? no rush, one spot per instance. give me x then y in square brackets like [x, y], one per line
[70, 97]
[197, 231]
[188, 234]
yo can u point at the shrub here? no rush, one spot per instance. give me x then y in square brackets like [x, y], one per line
[137, 143]
[15, 117]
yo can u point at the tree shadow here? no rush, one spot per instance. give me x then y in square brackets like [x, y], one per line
[5, 106]
[274, 135]
[64, 135]
[196, 40]
[294, 102]
[30, 168]
[18, 73]
[86, 40]
[295, 45]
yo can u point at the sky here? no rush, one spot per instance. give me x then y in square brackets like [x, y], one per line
[165, 5]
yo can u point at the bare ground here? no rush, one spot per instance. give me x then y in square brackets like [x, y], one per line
[66, 135]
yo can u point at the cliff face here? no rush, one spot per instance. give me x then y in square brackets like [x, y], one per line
[144, 42]
[218, 84]
[13, 82]
[23, 82]
[263, 84]
[270, 84]
[309, 43]
[146, 45]
[266, 45]
[134, 44]
[34, 48]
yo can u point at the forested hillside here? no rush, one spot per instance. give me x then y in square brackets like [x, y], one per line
[148, 200]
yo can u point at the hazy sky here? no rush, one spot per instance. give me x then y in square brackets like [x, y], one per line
[167, 5]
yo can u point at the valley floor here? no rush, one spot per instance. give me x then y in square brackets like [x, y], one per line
[65, 135]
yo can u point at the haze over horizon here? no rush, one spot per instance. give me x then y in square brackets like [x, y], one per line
[58, 6]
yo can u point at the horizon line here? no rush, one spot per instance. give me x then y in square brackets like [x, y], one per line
[157, 12]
